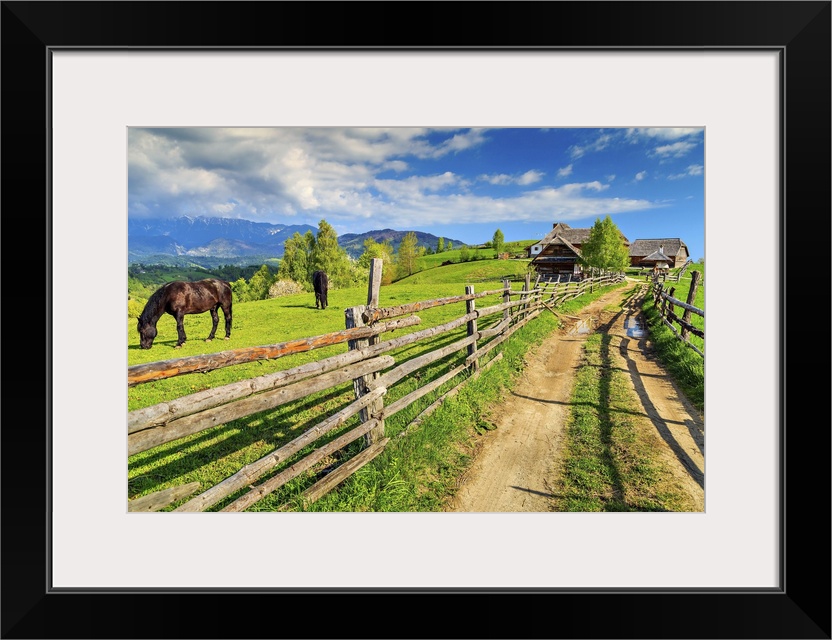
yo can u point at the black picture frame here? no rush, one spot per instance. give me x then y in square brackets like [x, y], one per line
[799, 31]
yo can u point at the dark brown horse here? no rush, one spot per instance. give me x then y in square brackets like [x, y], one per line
[180, 298]
[320, 283]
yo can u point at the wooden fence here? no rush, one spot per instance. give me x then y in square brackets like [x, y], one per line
[666, 305]
[366, 363]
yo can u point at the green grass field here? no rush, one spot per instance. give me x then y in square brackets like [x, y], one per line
[413, 474]
[214, 454]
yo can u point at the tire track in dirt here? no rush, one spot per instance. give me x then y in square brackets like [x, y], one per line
[516, 464]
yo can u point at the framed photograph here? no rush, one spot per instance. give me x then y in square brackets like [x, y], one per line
[77, 77]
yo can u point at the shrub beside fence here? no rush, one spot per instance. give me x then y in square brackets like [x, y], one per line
[372, 372]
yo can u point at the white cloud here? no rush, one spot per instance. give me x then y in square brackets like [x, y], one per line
[599, 144]
[282, 173]
[641, 175]
[663, 133]
[530, 177]
[692, 170]
[674, 150]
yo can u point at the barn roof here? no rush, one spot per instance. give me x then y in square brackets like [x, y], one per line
[569, 235]
[656, 256]
[644, 247]
[559, 240]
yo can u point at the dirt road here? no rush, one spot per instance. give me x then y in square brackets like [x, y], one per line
[515, 466]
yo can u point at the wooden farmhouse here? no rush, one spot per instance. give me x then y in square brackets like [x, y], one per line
[559, 252]
[670, 251]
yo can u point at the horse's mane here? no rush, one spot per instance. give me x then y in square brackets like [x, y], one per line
[154, 307]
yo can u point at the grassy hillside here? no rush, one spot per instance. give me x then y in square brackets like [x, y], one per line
[470, 272]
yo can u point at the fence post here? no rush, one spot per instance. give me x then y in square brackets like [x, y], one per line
[694, 286]
[671, 309]
[539, 295]
[506, 298]
[526, 288]
[664, 305]
[353, 319]
[470, 307]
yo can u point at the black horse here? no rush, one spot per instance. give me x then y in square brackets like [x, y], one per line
[180, 298]
[321, 284]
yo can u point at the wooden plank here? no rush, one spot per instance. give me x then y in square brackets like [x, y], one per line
[495, 330]
[163, 413]
[336, 477]
[272, 484]
[161, 499]
[394, 375]
[194, 423]
[140, 373]
[373, 290]
[410, 398]
[361, 384]
[449, 394]
[496, 341]
[694, 288]
[251, 472]
[472, 325]
[370, 316]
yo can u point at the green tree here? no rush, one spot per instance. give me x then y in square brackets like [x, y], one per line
[604, 248]
[464, 254]
[327, 255]
[296, 263]
[407, 254]
[239, 290]
[440, 245]
[498, 241]
[384, 251]
[258, 285]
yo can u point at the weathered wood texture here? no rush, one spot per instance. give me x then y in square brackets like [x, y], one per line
[370, 316]
[251, 472]
[140, 373]
[161, 499]
[275, 482]
[470, 307]
[333, 479]
[194, 423]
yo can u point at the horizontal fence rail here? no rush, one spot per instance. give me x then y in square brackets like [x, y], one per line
[366, 364]
[666, 305]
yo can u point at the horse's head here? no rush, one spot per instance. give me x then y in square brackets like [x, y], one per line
[147, 332]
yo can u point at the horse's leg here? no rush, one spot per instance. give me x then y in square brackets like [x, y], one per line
[227, 313]
[180, 329]
[215, 318]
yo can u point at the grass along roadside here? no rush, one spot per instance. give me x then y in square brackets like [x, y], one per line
[685, 365]
[420, 472]
[609, 462]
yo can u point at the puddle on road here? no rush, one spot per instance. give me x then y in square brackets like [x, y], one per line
[582, 327]
[634, 327]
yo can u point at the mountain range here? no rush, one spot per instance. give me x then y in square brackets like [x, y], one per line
[212, 241]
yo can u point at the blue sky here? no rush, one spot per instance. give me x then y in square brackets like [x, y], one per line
[455, 182]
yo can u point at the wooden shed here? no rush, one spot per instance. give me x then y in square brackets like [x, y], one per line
[675, 251]
[656, 259]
